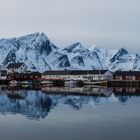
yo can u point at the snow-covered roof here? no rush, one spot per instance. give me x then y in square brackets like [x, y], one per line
[15, 65]
[129, 73]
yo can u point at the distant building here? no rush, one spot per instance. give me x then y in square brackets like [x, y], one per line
[3, 72]
[24, 76]
[89, 75]
[17, 68]
[127, 75]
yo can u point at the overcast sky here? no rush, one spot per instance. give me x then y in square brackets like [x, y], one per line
[107, 23]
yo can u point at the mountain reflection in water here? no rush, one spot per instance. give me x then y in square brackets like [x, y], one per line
[36, 104]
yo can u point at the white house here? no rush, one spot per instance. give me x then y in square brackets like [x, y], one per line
[17, 68]
[85, 75]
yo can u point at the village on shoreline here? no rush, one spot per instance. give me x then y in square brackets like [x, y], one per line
[18, 73]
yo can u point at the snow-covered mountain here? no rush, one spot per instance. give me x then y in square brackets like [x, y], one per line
[40, 54]
[36, 50]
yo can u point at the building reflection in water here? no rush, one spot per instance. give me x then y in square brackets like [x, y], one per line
[37, 103]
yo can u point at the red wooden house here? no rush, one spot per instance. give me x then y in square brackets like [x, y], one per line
[24, 76]
[127, 75]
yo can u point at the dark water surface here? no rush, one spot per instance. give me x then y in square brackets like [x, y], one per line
[48, 115]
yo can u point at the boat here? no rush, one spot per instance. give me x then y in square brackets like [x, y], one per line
[29, 82]
[46, 83]
[13, 83]
[70, 83]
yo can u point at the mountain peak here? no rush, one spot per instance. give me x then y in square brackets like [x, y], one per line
[75, 47]
[123, 50]
[34, 36]
[43, 35]
[93, 47]
[119, 54]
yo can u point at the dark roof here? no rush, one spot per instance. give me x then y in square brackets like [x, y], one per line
[15, 65]
[129, 73]
[27, 74]
[75, 72]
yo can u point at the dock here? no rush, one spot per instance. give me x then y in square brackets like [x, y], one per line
[124, 83]
[99, 82]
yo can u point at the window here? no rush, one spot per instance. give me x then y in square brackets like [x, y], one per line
[3, 73]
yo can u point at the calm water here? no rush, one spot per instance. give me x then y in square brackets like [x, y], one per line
[54, 114]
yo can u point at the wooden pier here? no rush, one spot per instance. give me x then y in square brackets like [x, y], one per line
[124, 83]
[99, 82]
